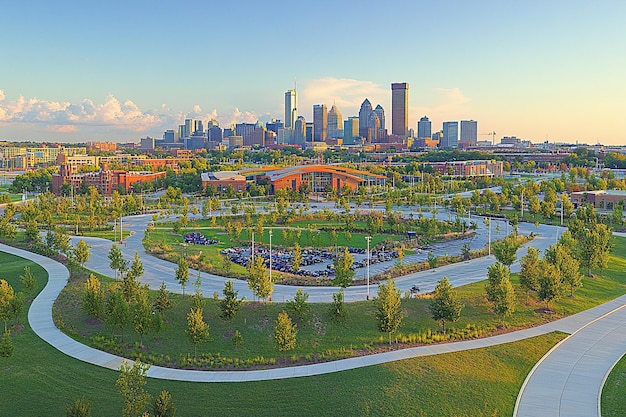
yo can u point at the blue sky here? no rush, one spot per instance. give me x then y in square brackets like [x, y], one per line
[122, 70]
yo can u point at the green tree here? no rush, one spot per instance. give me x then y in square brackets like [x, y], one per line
[530, 271]
[388, 308]
[93, 297]
[297, 258]
[343, 269]
[6, 346]
[79, 408]
[81, 253]
[285, 333]
[116, 259]
[131, 387]
[227, 264]
[500, 292]
[445, 305]
[162, 301]
[298, 307]
[163, 405]
[594, 246]
[197, 329]
[506, 249]
[495, 274]
[117, 311]
[567, 266]
[550, 286]
[534, 205]
[28, 280]
[182, 273]
[337, 307]
[432, 260]
[6, 296]
[136, 267]
[142, 314]
[259, 278]
[230, 304]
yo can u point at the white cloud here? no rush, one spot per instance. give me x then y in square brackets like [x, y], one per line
[447, 104]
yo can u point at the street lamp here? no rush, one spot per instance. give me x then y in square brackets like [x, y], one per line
[270, 233]
[368, 238]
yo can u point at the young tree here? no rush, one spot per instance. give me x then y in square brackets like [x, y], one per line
[594, 246]
[116, 259]
[343, 269]
[567, 266]
[163, 406]
[117, 311]
[230, 304]
[136, 268]
[550, 286]
[495, 274]
[81, 253]
[285, 333]
[297, 258]
[259, 278]
[337, 306]
[162, 301]
[93, 298]
[131, 386]
[79, 408]
[445, 305]
[28, 280]
[6, 296]
[506, 249]
[6, 346]
[388, 308]
[500, 292]
[197, 329]
[530, 272]
[142, 314]
[298, 307]
[182, 273]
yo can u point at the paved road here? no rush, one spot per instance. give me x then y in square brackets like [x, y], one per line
[40, 319]
[158, 271]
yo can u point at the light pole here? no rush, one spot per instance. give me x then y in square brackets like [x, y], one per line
[368, 238]
[270, 232]
[252, 250]
[489, 237]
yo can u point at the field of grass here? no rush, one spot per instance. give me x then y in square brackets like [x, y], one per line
[613, 398]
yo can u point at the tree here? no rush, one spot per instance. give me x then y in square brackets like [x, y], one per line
[259, 278]
[6, 346]
[298, 307]
[530, 271]
[297, 258]
[28, 280]
[136, 268]
[388, 308]
[432, 260]
[163, 406]
[81, 253]
[79, 408]
[162, 301]
[550, 286]
[506, 249]
[131, 386]
[343, 269]
[182, 273]
[568, 267]
[337, 307]
[534, 205]
[117, 311]
[197, 329]
[93, 298]
[445, 305]
[495, 274]
[142, 314]
[116, 259]
[499, 290]
[6, 296]
[594, 246]
[230, 304]
[285, 333]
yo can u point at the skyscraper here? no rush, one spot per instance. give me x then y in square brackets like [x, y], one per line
[469, 132]
[350, 130]
[320, 121]
[335, 123]
[399, 109]
[364, 115]
[380, 112]
[291, 108]
[424, 128]
[299, 131]
[450, 137]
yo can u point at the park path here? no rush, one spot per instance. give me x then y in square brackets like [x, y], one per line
[40, 319]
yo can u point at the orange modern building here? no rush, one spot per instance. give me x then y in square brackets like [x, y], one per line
[320, 178]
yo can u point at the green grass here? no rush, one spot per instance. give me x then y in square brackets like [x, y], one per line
[613, 398]
[104, 234]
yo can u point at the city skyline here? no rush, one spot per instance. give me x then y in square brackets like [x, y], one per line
[118, 71]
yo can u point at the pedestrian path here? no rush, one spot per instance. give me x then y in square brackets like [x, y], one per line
[40, 319]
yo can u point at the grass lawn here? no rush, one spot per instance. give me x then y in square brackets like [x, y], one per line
[40, 381]
[613, 398]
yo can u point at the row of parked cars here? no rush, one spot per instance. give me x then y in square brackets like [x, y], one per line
[198, 238]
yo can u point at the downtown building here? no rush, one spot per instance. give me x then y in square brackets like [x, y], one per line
[400, 109]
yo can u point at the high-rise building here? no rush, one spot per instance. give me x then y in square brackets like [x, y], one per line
[274, 125]
[320, 121]
[380, 112]
[373, 127]
[291, 108]
[170, 136]
[215, 134]
[350, 130]
[364, 115]
[399, 109]
[335, 123]
[189, 128]
[299, 131]
[310, 131]
[450, 137]
[469, 132]
[424, 128]
[197, 127]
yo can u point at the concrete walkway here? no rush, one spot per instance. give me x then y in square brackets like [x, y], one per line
[40, 319]
[568, 380]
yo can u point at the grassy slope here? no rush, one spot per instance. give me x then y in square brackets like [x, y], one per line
[613, 398]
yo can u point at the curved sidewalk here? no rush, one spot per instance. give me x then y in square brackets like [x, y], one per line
[40, 319]
[568, 380]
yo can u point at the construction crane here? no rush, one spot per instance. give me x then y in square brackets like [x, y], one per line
[492, 134]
